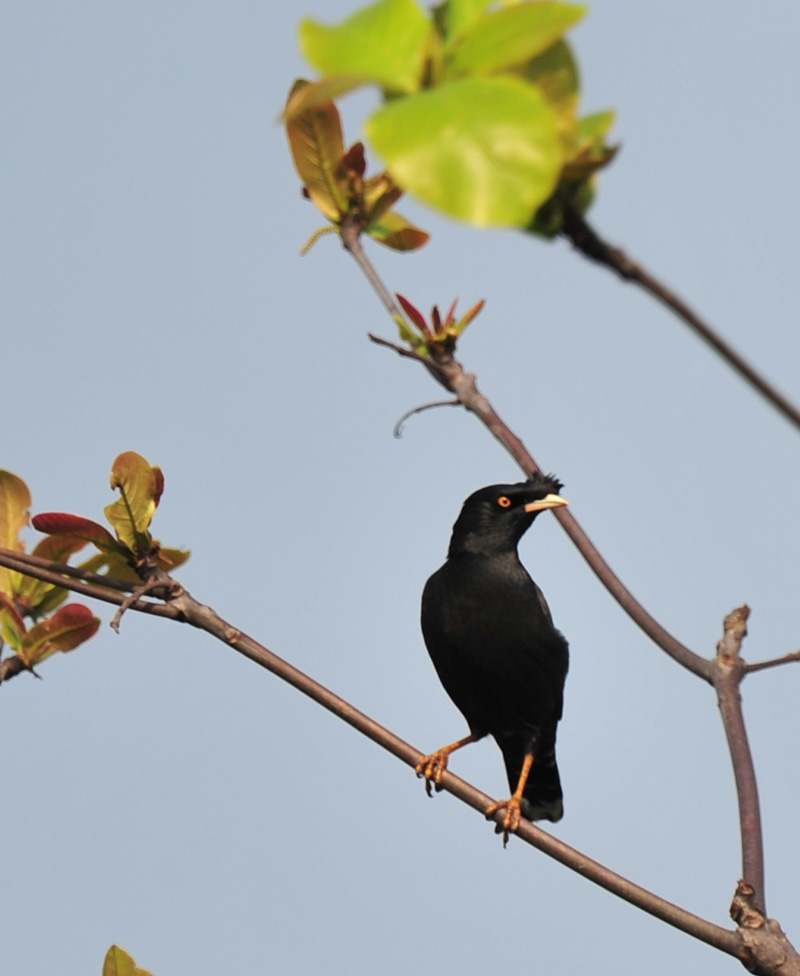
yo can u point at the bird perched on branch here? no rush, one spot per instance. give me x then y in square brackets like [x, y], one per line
[492, 641]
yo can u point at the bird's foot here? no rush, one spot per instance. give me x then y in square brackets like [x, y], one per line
[510, 823]
[433, 768]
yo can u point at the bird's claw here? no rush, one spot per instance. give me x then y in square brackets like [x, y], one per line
[433, 769]
[511, 821]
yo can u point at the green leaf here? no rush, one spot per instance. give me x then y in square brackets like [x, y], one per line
[556, 74]
[483, 150]
[140, 486]
[315, 138]
[12, 626]
[506, 38]
[385, 42]
[397, 233]
[15, 500]
[596, 127]
[459, 15]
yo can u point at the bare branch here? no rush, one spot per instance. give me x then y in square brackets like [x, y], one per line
[351, 240]
[586, 240]
[186, 609]
[400, 350]
[772, 663]
[398, 427]
[729, 669]
[12, 666]
[76, 572]
[21, 563]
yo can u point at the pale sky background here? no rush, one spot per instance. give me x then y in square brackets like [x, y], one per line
[163, 793]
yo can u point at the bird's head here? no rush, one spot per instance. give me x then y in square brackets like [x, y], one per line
[494, 519]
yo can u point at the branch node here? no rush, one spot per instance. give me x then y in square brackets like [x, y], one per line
[153, 583]
[734, 632]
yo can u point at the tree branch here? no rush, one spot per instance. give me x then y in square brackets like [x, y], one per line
[729, 671]
[31, 566]
[186, 609]
[772, 663]
[586, 240]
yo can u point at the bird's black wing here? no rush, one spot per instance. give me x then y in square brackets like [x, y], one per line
[494, 646]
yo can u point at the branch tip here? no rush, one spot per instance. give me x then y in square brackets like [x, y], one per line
[398, 427]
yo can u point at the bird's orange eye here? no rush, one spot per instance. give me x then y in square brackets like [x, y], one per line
[504, 501]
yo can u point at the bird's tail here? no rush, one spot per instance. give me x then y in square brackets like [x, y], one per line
[542, 798]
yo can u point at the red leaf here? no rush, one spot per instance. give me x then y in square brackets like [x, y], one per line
[65, 630]
[61, 523]
[355, 160]
[415, 315]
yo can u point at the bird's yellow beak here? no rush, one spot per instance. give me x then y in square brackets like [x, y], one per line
[549, 501]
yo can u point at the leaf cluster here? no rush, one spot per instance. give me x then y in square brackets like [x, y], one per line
[440, 334]
[335, 180]
[480, 115]
[56, 627]
[121, 555]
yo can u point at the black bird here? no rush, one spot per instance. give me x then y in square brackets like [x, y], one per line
[492, 641]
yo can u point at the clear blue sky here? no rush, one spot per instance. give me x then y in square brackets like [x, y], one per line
[161, 792]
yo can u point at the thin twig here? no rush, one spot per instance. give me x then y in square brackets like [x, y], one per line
[400, 350]
[398, 427]
[728, 673]
[773, 663]
[154, 583]
[351, 241]
[76, 572]
[586, 240]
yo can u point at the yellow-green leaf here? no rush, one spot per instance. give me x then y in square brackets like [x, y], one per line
[459, 15]
[503, 39]
[315, 138]
[15, 501]
[169, 559]
[555, 71]
[119, 963]
[397, 233]
[385, 43]
[12, 626]
[110, 564]
[41, 598]
[140, 487]
[484, 150]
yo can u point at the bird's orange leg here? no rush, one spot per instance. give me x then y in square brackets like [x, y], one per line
[514, 804]
[432, 767]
